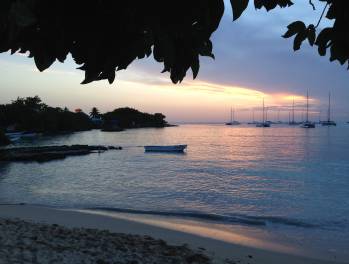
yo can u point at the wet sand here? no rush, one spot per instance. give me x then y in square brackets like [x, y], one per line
[34, 233]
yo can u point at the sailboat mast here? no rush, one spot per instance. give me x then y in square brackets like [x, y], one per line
[307, 114]
[263, 112]
[231, 114]
[329, 107]
[293, 111]
[253, 115]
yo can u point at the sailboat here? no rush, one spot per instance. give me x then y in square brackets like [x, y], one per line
[292, 123]
[278, 118]
[253, 121]
[307, 123]
[264, 123]
[232, 122]
[328, 122]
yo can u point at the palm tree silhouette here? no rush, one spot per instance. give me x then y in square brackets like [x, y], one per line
[95, 113]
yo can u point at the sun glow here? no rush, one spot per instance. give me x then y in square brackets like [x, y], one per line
[204, 101]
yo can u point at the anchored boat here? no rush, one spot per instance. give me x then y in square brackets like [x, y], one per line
[232, 122]
[307, 123]
[328, 122]
[264, 123]
[173, 148]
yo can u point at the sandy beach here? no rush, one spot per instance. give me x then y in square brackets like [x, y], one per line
[38, 233]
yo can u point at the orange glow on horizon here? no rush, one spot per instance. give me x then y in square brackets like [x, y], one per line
[239, 97]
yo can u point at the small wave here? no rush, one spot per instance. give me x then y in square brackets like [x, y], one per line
[232, 219]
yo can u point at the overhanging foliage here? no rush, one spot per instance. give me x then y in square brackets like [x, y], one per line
[105, 36]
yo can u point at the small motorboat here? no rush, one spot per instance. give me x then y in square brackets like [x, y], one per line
[173, 148]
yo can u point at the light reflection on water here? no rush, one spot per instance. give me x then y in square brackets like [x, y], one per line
[280, 171]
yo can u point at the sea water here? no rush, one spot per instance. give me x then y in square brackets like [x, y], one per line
[287, 181]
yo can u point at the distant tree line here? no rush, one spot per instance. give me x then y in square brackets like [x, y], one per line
[31, 114]
[131, 118]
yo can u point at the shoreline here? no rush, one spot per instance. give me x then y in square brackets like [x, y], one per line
[219, 250]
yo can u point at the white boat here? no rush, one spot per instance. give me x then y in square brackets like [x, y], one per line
[173, 148]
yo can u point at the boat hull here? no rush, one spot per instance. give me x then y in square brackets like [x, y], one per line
[308, 125]
[263, 125]
[328, 123]
[234, 123]
[174, 148]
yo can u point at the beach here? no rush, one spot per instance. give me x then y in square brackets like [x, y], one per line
[34, 233]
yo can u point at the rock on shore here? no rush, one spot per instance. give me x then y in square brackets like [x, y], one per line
[47, 153]
[24, 242]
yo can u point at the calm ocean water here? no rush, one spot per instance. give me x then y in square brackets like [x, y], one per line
[289, 181]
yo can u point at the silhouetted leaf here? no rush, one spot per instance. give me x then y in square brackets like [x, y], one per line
[271, 4]
[111, 76]
[195, 66]
[331, 14]
[22, 14]
[294, 28]
[43, 61]
[323, 39]
[311, 35]
[103, 36]
[298, 40]
[238, 7]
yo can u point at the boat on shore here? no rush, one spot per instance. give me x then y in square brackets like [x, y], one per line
[168, 148]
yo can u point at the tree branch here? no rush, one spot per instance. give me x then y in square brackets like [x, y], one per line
[311, 3]
[322, 14]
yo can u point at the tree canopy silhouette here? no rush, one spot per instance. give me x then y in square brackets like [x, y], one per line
[104, 36]
[95, 113]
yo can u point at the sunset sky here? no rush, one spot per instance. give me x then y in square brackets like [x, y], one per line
[252, 62]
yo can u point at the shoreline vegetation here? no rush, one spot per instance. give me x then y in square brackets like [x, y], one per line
[48, 153]
[39, 235]
[31, 115]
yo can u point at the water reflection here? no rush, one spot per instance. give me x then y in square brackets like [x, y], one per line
[4, 169]
[281, 171]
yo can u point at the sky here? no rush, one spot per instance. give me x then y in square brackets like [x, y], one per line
[252, 62]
